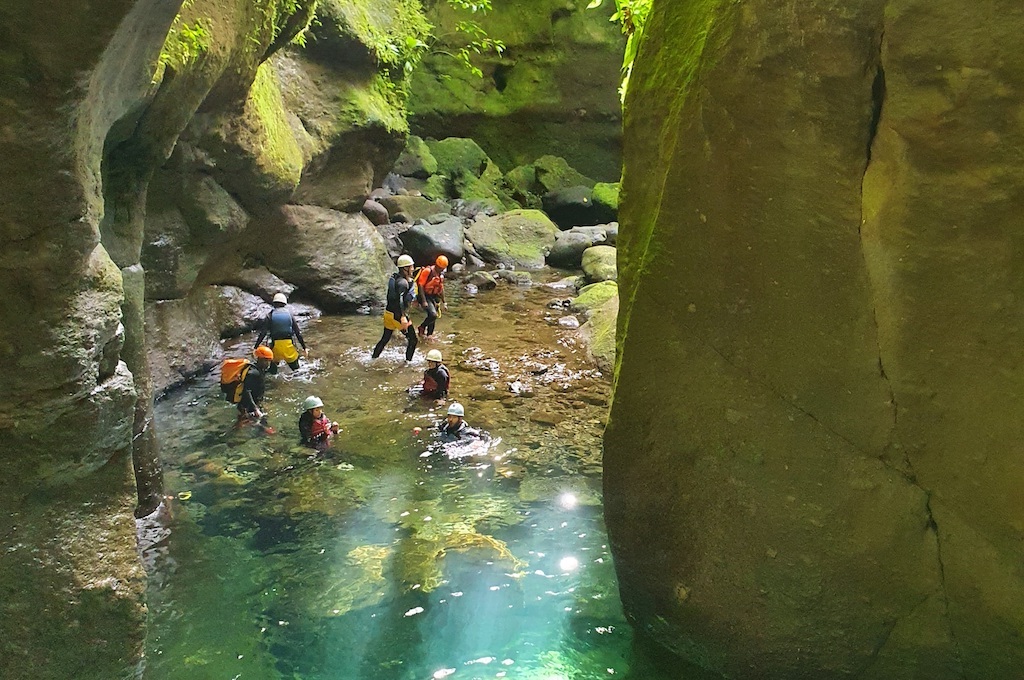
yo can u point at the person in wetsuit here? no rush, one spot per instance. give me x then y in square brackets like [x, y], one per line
[281, 326]
[436, 379]
[395, 319]
[250, 406]
[315, 428]
[430, 294]
[454, 426]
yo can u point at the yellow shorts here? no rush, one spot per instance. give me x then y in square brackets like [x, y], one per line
[284, 350]
[392, 325]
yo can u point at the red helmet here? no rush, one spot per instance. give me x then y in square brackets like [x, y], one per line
[263, 352]
[442, 262]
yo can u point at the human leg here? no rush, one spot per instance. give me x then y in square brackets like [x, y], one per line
[383, 342]
[410, 348]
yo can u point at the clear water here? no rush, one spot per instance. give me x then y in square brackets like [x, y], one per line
[389, 558]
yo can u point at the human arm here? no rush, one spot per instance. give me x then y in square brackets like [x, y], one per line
[264, 329]
[298, 336]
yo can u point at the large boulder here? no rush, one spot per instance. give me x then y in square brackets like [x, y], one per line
[412, 208]
[426, 241]
[573, 207]
[553, 173]
[599, 264]
[567, 252]
[819, 477]
[336, 260]
[458, 155]
[519, 238]
[598, 332]
[183, 336]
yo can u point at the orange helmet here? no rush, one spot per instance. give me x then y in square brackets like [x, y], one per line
[263, 352]
[442, 262]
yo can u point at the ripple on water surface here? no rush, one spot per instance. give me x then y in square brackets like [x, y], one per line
[390, 557]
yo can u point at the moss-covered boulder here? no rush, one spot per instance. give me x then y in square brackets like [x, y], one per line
[593, 296]
[457, 156]
[818, 477]
[519, 238]
[599, 264]
[553, 173]
[599, 331]
[416, 160]
[412, 208]
[606, 200]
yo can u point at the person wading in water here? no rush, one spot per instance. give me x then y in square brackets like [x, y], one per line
[430, 294]
[281, 326]
[395, 319]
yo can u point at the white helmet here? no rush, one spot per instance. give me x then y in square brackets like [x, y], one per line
[280, 298]
[405, 261]
[456, 410]
[312, 402]
[434, 355]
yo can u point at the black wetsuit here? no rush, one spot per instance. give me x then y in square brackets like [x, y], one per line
[280, 325]
[398, 303]
[460, 431]
[253, 389]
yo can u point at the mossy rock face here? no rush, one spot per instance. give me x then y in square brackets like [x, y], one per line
[458, 156]
[416, 159]
[554, 90]
[841, 279]
[519, 238]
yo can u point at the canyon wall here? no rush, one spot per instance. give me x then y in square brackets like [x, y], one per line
[811, 464]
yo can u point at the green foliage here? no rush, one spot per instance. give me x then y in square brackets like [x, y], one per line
[184, 42]
[632, 16]
[477, 40]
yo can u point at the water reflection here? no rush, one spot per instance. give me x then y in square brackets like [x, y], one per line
[392, 556]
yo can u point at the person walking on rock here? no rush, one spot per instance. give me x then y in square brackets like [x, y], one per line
[250, 406]
[395, 318]
[430, 294]
[281, 326]
[315, 428]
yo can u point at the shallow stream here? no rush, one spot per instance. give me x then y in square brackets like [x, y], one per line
[388, 557]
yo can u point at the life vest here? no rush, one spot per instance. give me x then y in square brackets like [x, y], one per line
[430, 281]
[430, 384]
[321, 428]
[280, 324]
[232, 378]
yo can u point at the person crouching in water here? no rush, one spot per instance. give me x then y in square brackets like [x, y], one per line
[250, 406]
[454, 426]
[281, 326]
[436, 379]
[395, 319]
[316, 428]
[430, 294]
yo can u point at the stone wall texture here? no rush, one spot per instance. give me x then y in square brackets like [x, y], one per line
[820, 475]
